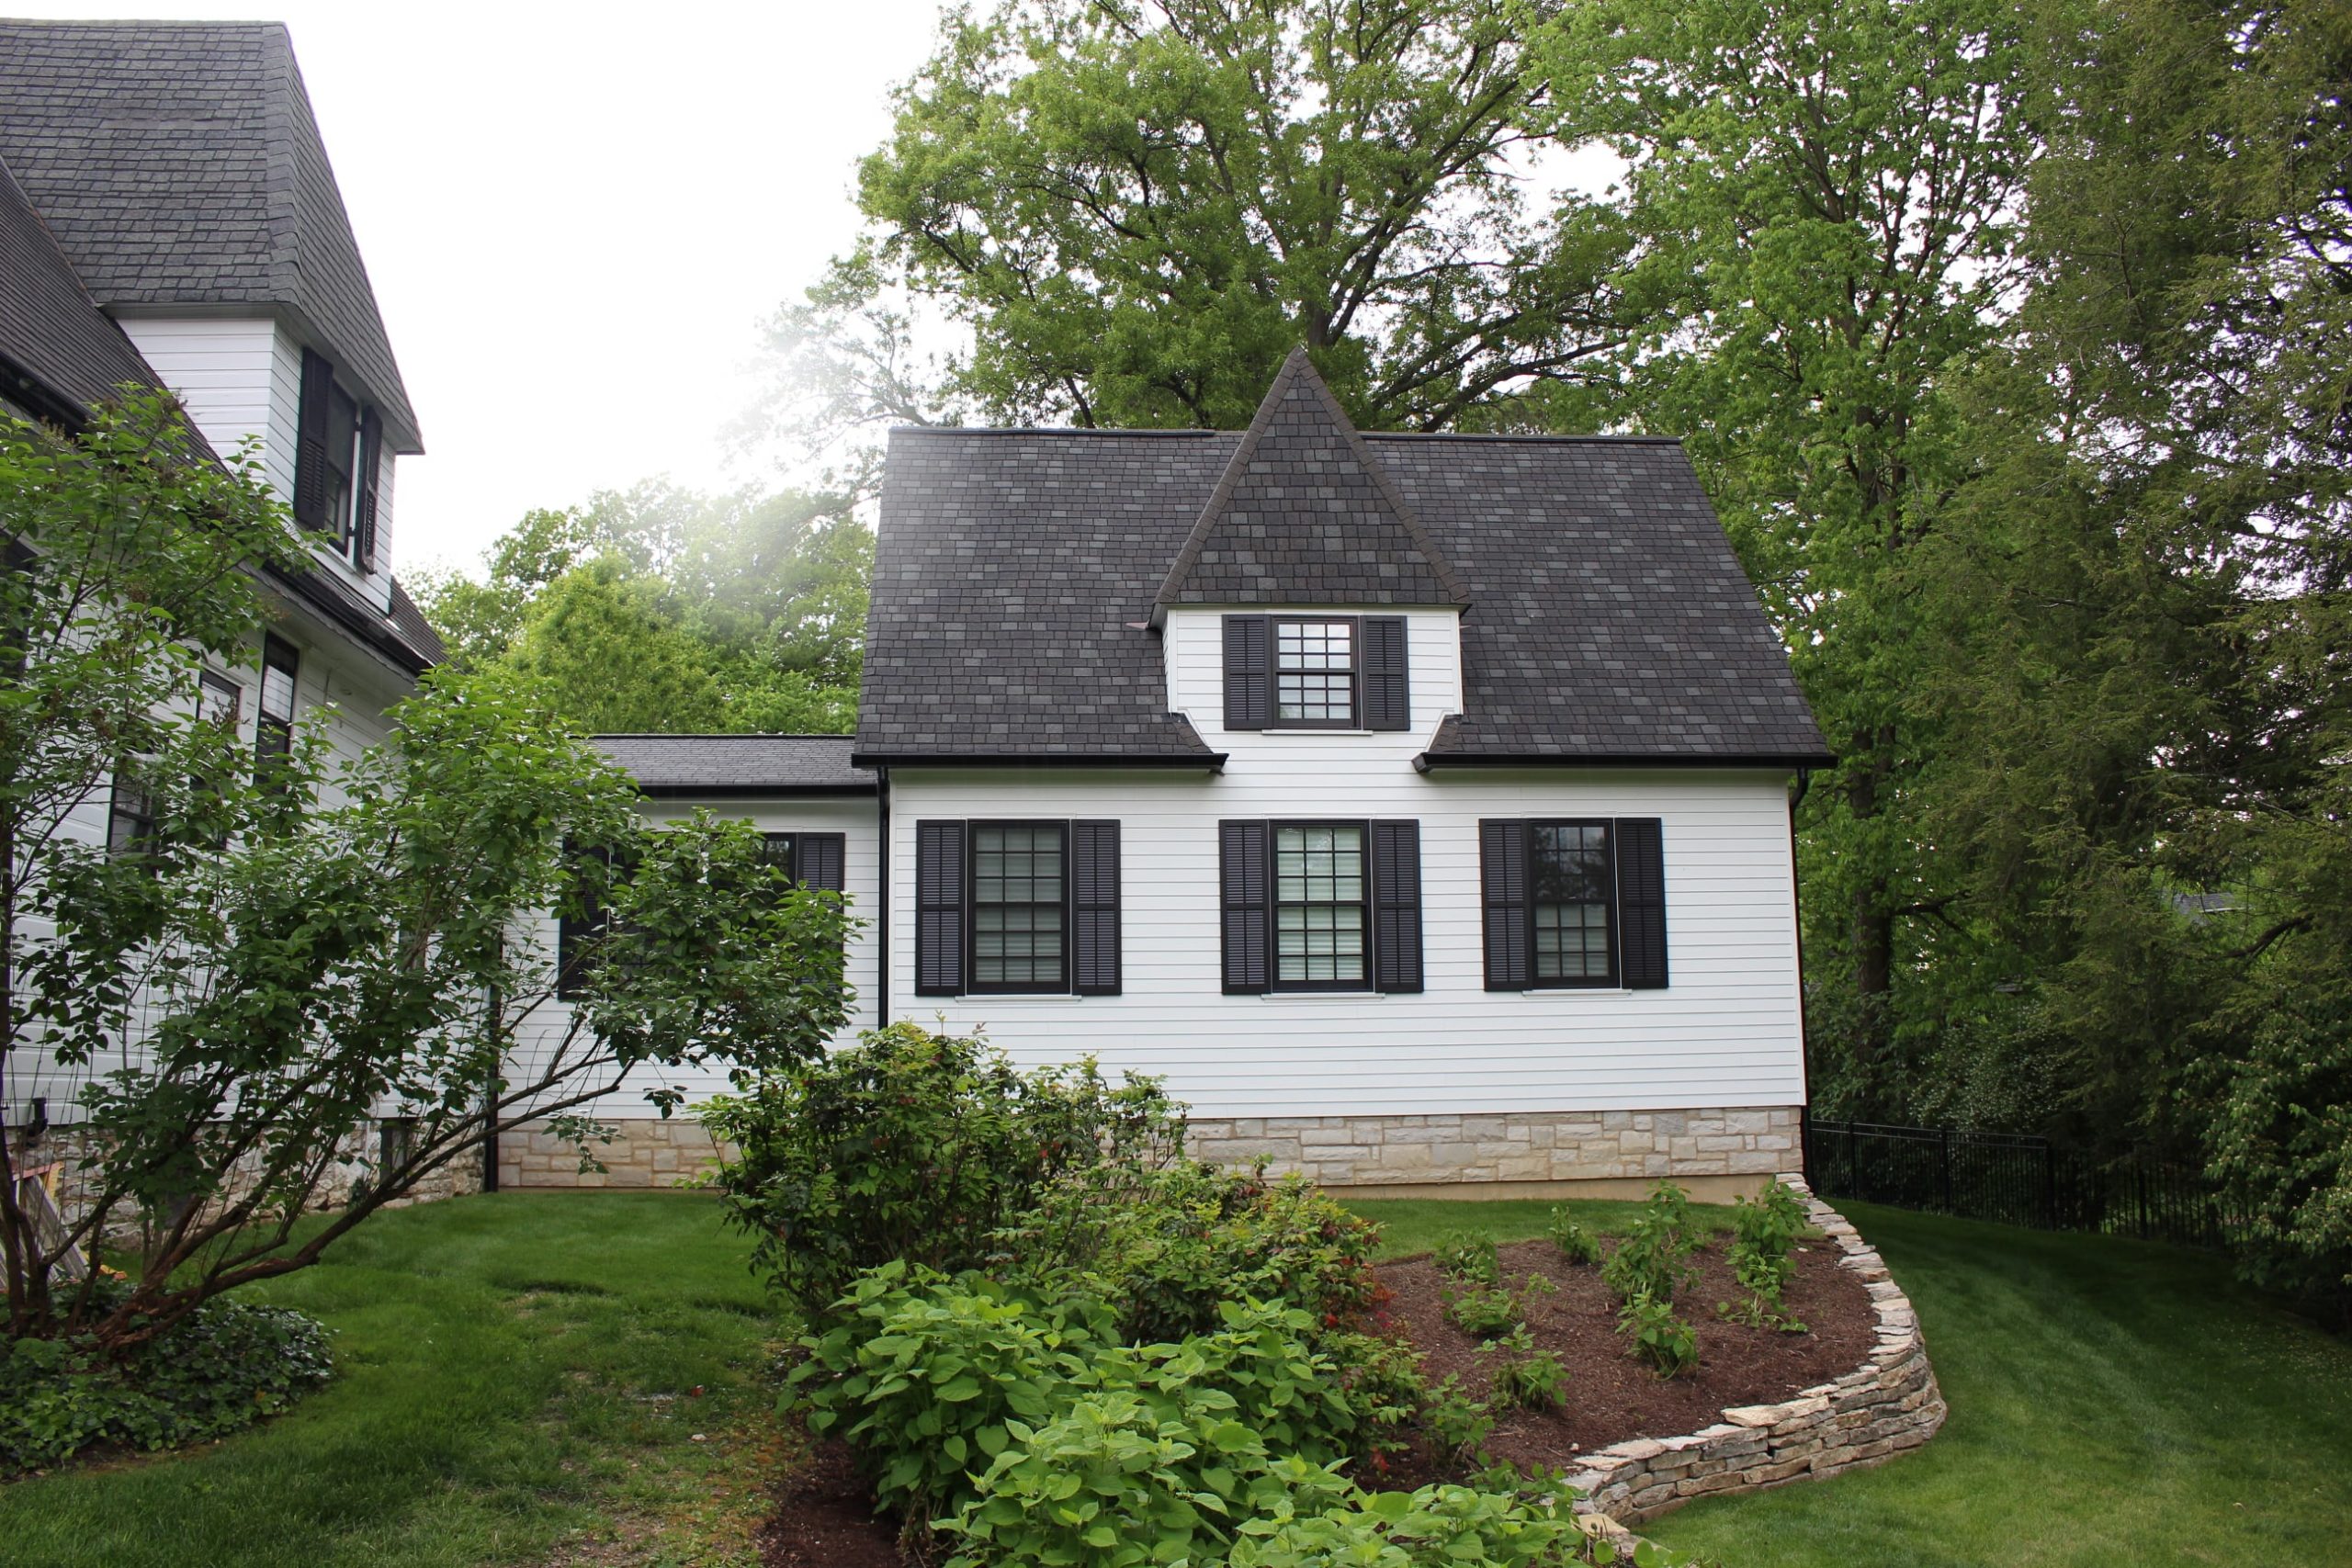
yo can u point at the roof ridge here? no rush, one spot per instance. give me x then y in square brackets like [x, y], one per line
[1299, 371]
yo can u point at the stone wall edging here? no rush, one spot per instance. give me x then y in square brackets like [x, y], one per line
[1887, 1405]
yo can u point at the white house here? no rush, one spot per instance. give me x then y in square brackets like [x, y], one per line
[168, 218]
[1416, 805]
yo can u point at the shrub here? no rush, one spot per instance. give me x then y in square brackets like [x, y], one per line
[223, 1367]
[1577, 1244]
[1457, 1425]
[1438, 1526]
[930, 1375]
[1659, 1337]
[918, 1147]
[1651, 1259]
[1468, 1259]
[1172, 1245]
[1289, 1394]
[1523, 1377]
[1764, 1235]
[1381, 1379]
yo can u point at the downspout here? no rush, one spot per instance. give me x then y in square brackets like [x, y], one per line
[1805, 1041]
[882, 903]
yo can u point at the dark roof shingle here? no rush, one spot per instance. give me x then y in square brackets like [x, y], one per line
[180, 163]
[747, 764]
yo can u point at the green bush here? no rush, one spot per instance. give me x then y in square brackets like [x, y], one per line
[1486, 1310]
[1172, 1246]
[918, 1147]
[1288, 1392]
[1659, 1337]
[1531, 1526]
[1523, 1377]
[1577, 1244]
[1469, 1259]
[1381, 1379]
[1456, 1424]
[926, 1376]
[222, 1368]
[1652, 1258]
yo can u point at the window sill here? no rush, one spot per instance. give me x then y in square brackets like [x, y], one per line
[1315, 996]
[1012, 996]
[1320, 729]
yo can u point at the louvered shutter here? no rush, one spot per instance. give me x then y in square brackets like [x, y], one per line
[1248, 672]
[372, 448]
[819, 856]
[1094, 907]
[1397, 906]
[1641, 902]
[1502, 870]
[1241, 868]
[1387, 683]
[939, 909]
[311, 482]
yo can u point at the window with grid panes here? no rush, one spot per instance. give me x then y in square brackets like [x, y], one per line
[1319, 907]
[1019, 936]
[1315, 674]
[274, 729]
[1570, 894]
[782, 851]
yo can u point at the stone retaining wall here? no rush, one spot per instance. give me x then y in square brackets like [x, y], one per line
[645, 1151]
[1886, 1406]
[1519, 1154]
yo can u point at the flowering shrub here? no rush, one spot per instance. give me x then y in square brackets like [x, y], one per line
[917, 1147]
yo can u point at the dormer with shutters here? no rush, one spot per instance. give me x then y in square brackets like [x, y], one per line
[1309, 613]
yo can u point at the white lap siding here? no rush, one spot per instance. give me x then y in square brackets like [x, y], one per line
[1725, 1031]
[854, 818]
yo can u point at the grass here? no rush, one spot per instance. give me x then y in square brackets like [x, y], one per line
[514, 1378]
[1411, 1226]
[2112, 1402]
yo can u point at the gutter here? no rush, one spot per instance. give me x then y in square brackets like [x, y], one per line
[754, 792]
[1212, 762]
[1798, 762]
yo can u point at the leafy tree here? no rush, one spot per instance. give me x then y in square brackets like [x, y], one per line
[225, 997]
[1139, 207]
[1827, 195]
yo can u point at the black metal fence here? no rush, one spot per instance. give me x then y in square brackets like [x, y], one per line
[2015, 1180]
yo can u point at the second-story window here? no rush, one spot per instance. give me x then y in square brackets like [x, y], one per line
[339, 446]
[1315, 674]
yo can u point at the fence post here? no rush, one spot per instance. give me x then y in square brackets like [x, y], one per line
[2049, 1187]
[1943, 1138]
[1853, 1161]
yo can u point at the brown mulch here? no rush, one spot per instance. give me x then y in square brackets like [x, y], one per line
[824, 1517]
[1611, 1396]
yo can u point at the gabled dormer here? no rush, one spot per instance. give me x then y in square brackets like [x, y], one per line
[1329, 605]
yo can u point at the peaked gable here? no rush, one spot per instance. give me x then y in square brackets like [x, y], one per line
[1303, 515]
[180, 163]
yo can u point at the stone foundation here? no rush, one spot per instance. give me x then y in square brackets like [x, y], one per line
[644, 1152]
[1534, 1154]
[1887, 1405]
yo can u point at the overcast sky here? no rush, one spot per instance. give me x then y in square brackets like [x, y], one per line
[576, 215]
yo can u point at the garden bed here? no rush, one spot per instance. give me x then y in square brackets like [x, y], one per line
[1611, 1396]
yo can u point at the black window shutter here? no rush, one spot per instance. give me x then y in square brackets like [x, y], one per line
[939, 909]
[310, 442]
[1094, 907]
[819, 856]
[371, 447]
[578, 924]
[1641, 902]
[1397, 906]
[1387, 683]
[1248, 672]
[1502, 870]
[1246, 900]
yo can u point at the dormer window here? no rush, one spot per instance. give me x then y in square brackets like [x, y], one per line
[339, 449]
[1314, 674]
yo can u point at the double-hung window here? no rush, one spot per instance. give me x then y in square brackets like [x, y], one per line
[1012, 907]
[130, 812]
[1320, 905]
[1315, 674]
[1309, 671]
[1574, 902]
[339, 442]
[281, 665]
[1321, 925]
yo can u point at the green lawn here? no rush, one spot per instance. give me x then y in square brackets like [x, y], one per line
[2113, 1403]
[513, 1372]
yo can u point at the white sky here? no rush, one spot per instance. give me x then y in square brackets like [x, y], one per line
[575, 217]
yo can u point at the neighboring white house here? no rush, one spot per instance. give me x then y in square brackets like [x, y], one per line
[168, 218]
[1416, 805]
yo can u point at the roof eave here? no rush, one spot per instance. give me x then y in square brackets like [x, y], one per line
[770, 791]
[1208, 761]
[1791, 760]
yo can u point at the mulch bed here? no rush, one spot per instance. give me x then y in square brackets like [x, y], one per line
[1611, 1396]
[825, 1511]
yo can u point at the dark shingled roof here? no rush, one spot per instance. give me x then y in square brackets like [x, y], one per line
[179, 163]
[1016, 573]
[413, 628]
[738, 765]
[1304, 515]
[53, 334]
